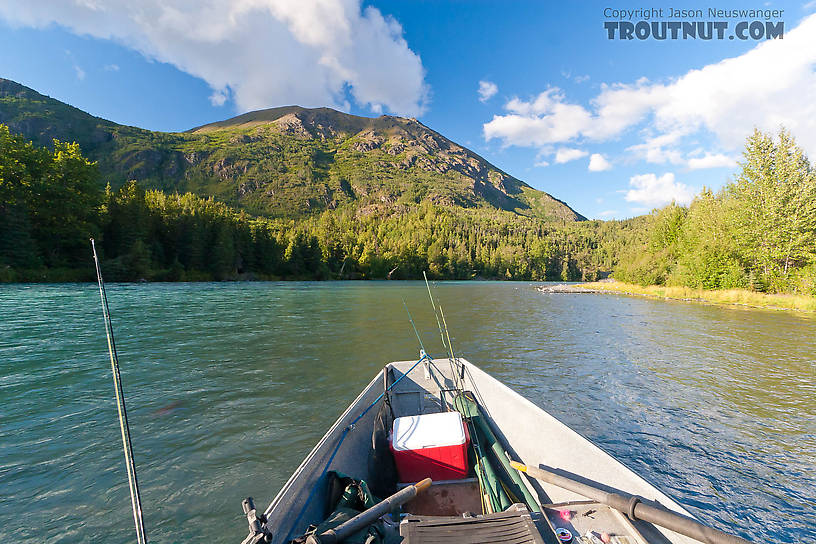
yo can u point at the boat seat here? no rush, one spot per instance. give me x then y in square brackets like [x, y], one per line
[513, 526]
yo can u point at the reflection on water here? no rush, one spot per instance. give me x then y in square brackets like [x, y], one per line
[230, 385]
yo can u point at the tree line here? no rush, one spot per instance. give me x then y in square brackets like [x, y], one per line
[758, 232]
[51, 203]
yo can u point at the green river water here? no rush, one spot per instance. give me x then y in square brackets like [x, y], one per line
[229, 385]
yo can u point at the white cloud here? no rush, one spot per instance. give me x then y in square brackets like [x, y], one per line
[545, 120]
[111, 67]
[80, 73]
[567, 154]
[656, 191]
[262, 53]
[487, 90]
[598, 163]
[773, 84]
[608, 213]
[219, 97]
[541, 164]
[711, 160]
[577, 79]
[658, 149]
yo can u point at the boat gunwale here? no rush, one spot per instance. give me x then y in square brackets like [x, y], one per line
[673, 504]
[326, 437]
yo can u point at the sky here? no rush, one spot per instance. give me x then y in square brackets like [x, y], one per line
[614, 127]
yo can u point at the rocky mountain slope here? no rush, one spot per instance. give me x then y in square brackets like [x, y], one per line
[288, 161]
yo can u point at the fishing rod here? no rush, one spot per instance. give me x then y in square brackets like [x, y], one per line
[460, 375]
[411, 319]
[130, 464]
[454, 363]
[458, 384]
[436, 314]
[448, 348]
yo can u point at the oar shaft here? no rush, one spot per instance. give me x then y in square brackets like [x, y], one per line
[363, 519]
[632, 506]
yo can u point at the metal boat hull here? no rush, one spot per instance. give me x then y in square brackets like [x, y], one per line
[530, 435]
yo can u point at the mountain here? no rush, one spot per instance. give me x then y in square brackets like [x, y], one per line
[288, 161]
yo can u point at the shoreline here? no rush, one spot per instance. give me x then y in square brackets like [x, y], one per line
[730, 297]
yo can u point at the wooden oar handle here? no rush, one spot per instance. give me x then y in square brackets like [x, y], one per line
[363, 519]
[423, 485]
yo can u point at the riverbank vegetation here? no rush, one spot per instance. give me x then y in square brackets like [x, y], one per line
[758, 233]
[727, 297]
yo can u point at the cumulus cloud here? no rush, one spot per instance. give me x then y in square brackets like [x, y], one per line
[598, 163]
[608, 213]
[659, 149]
[487, 90]
[261, 53]
[567, 154]
[773, 84]
[545, 120]
[654, 191]
[711, 160]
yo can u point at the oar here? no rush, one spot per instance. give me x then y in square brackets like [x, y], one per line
[632, 506]
[363, 519]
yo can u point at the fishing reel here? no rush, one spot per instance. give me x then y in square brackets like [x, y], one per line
[258, 533]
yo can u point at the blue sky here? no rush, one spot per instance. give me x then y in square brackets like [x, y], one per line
[613, 127]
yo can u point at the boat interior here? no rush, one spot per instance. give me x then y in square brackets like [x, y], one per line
[462, 509]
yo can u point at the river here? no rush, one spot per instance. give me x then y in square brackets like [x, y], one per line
[229, 385]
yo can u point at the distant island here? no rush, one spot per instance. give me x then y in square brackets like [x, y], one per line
[296, 193]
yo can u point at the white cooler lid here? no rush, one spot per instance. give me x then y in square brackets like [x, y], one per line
[428, 431]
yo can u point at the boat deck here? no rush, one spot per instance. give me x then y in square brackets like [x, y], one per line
[514, 526]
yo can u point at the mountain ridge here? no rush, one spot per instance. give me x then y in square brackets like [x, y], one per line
[287, 161]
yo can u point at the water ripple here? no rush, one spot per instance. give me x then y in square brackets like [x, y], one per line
[230, 385]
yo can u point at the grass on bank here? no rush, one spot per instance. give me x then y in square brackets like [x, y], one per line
[741, 297]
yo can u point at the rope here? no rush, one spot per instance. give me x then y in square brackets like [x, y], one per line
[130, 464]
[348, 428]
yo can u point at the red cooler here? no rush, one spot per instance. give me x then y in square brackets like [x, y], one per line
[430, 446]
